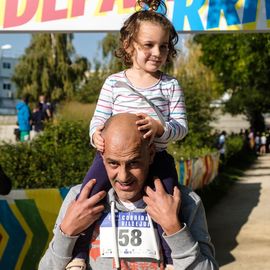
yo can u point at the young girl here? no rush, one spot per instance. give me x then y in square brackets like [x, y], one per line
[147, 42]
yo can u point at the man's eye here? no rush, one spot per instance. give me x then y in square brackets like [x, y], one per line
[113, 164]
[134, 164]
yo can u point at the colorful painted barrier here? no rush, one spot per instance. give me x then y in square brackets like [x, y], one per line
[26, 221]
[27, 216]
[197, 172]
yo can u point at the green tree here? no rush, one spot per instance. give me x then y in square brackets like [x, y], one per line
[241, 62]
[109, 45]
[200, 87]
[47, 68]
[90, 89]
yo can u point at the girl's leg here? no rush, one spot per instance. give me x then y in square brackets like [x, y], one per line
[96, 171]
[164, 168]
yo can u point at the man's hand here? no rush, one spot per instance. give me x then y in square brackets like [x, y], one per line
[163, 208]
[98, 140]
[154, 128]
[83, 212]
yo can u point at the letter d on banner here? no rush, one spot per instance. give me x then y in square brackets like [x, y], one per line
[11, 17]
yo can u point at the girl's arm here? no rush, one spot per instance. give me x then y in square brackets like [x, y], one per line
[176, 127]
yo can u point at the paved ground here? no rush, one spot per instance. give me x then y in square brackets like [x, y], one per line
[7, 126]
[240, 223]
[231, 123]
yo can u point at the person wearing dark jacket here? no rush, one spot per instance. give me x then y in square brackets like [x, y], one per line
[5, 183]
[37, 120]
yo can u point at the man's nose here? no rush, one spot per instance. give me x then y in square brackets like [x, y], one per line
[123, 174]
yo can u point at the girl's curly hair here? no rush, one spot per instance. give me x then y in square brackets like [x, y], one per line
[147, 13]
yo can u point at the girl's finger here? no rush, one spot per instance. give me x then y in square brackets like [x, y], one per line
[147, 134]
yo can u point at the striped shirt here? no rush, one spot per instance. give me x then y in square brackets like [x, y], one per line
[166, 94]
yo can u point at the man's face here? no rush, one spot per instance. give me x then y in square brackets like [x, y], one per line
[127, 165]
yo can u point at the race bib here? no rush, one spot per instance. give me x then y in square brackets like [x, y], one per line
[135, 237]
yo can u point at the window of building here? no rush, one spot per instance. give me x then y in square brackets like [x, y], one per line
[6, 65]
[6, 86]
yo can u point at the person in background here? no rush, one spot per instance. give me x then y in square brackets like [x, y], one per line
[5, 183]
[267, 140]
[44, 108]
[37, 122]
[257, 142]
[24, 118]
[222, 145]
[251, 139]
[263, 144]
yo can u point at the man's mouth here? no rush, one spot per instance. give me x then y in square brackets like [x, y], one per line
[125, 186]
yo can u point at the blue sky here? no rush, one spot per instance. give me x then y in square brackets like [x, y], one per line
[86, 44]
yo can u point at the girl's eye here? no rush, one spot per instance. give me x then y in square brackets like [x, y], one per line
[164, 48]
[147, 46]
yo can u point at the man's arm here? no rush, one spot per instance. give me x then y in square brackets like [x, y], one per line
[74, 217]
[188, 239]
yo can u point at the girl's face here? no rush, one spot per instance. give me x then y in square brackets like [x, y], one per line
[150, 47]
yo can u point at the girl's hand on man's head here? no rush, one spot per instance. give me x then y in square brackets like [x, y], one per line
[152, 127]
[98, 140]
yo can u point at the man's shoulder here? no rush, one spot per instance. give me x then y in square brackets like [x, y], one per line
[191, 205]
[73, 192]
[189, 196]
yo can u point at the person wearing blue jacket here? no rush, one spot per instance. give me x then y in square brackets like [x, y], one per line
[23, 118]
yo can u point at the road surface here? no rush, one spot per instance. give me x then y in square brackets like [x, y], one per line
[240, 223]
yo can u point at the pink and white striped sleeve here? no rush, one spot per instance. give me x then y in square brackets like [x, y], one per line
[176, 126]
[103, 109]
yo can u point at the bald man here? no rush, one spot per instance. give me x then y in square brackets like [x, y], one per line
[125, 232]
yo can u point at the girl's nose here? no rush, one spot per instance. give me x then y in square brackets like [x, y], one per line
[156, 51]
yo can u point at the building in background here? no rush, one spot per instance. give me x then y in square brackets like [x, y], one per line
[7, 87]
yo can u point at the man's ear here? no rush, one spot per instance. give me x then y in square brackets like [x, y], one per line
[152, 152]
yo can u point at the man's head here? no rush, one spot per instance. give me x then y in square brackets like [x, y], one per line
[127, 156]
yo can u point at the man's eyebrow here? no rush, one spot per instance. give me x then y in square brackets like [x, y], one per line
[135, 158]
[111, 159]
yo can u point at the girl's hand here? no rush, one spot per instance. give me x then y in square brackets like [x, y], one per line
[154, 127]
[98, 140]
